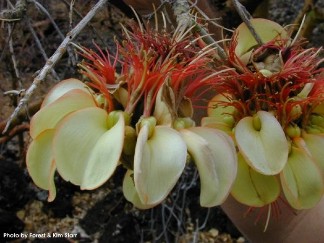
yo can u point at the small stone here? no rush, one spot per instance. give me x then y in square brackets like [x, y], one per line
[240, 240]
[213, 232]
[21, 214]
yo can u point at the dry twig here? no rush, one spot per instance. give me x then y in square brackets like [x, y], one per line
[245, 16]
[18, 130]
[40, 46]
[54, 59]
[181, 9]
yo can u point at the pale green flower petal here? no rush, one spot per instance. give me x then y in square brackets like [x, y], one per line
[63, 87]
[219, 116]
[77, 136]
[158, 162]
[161, 111]
[215, 157]
[301, 180]
[52, 188]
[266, 29]
[224, 113]
[213, 122]
[262, 143]
[130, 192]
[252, 188]
[47, 117]
[315, 145]
[105, 155]
[40, 162]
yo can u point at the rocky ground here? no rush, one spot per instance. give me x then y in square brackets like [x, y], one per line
[102, 215]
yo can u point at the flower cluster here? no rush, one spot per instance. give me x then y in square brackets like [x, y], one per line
[262, 139]
[271, 100]
[135, 111]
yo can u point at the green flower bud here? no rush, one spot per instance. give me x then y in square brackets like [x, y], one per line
[229, 120]
[256, 122]
[101, 101]
[266, 73]
[184, 122]
[113, 118]
[313, 129]
[293, 131]
[296, 112]
[317, 120]
[129, 141]
[150, 121]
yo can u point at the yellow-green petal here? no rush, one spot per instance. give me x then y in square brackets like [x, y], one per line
[77, 137]
[252, 188]
[105, 155]
[161, 110]
[40, 162]
[130, 192]
[266, 29]
[213, 122]
[262, 143]
[63, 87]
[48, 116]
[217, 108]
[215, 157]
[158, 162]
[301, 180]
[315, 145]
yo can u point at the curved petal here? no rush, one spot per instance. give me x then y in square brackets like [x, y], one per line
[51, 183]
[301, 180]
[49, 116]
[161, 110]
[158, 163]
[213, 122]
[266, 29]
[252, 188]
[219, 116]
[130, 192]
[40, 162]
[63, 87]
[76, 137]
[215, 157]
[315, 145]
[222, 112]
[264, 146]
[104, 156]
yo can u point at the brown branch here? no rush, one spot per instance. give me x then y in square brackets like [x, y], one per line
[13, 132]
[53, 60]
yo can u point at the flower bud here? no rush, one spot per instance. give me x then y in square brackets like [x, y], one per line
[101, 101]
[266, 72]
[184, 122]
[296, 112]
[293, 131]
[150, 121]
[130, 140]
[317, 120]
[256, 122]
[113, 117]
[313, 129]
